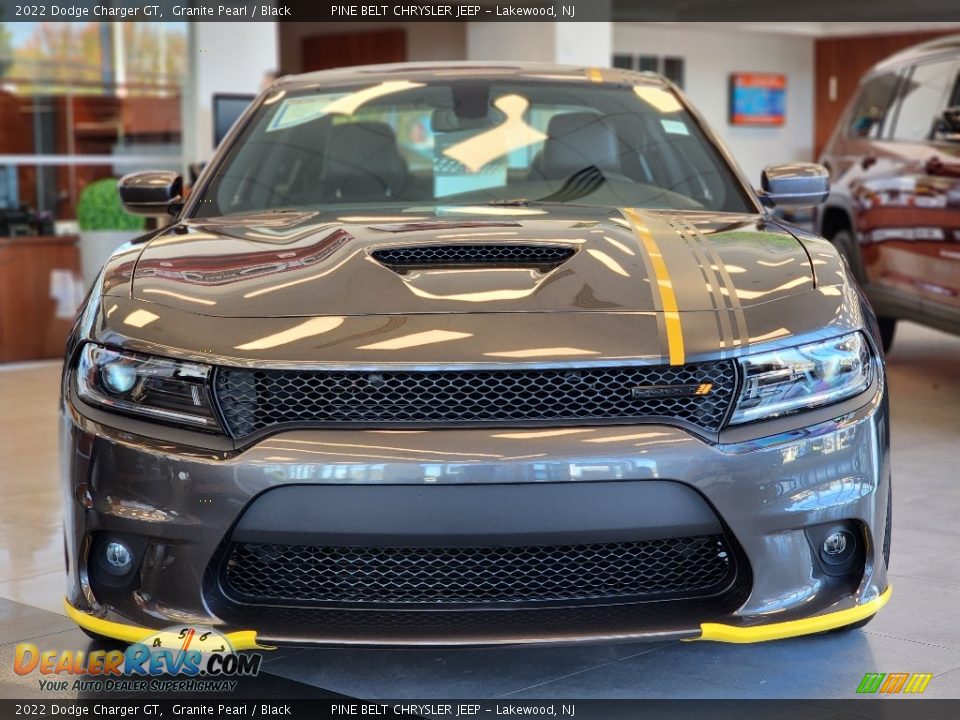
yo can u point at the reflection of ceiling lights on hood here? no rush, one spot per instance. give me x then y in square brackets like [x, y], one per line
[310, 328]
[512, 134]
[428, 337]
[178, 296]
[612, 264]
[484, 210]
[542, 352]
[140, 318]
[349, 104]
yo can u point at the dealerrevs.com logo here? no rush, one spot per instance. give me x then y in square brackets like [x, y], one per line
[179, 659]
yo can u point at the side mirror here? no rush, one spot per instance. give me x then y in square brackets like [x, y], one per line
[154, 192]
[794, 185]
[947, 126]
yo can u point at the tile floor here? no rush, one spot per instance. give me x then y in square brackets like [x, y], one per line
[917, 632]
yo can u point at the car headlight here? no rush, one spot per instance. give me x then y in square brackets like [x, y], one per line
[785, 381]
[158, 388]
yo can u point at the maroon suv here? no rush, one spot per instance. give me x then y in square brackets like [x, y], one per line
[894, 208]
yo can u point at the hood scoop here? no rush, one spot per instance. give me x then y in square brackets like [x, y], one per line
[541, 256]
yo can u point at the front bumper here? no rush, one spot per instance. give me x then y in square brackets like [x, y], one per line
[182, 503]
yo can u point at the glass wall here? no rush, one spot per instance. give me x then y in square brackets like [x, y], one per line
[84, 101]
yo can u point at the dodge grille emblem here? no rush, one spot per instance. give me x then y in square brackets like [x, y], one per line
[649, 392]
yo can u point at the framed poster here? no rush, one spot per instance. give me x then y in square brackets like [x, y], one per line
[758, 99]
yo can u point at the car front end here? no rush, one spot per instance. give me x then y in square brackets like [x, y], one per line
[476, 424]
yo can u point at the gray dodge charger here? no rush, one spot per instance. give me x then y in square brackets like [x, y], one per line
[472, 355]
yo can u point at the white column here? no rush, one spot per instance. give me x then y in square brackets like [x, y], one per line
[569, 43]
[228, 57]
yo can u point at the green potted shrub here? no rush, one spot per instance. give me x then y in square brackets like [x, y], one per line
[104, 225]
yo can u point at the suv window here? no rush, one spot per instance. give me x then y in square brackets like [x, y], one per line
[870, 108]
[923, 99]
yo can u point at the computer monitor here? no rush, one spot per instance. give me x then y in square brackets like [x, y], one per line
[227, 107]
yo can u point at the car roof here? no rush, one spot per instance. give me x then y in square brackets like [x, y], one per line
[432, 71]
[948, 45]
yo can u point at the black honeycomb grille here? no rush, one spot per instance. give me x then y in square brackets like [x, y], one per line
[256, 399]
[671, 568]
[485, 254]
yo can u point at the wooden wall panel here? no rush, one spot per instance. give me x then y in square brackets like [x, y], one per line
[322, 52]
[29, 326]
[847, 59]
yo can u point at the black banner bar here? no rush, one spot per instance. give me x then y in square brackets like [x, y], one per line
[475, 10]
[350, 709]
[305, 10]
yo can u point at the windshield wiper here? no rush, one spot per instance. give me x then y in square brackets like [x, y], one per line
[580, 184]
[511, 202]
[524, 202]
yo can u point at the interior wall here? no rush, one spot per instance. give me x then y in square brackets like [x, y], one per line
[710, 56]
[510, 41]
[370, 47]
[567, 43]
[426, 41]
[218, 67]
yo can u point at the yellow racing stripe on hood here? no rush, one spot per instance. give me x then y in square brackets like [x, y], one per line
[668, 299]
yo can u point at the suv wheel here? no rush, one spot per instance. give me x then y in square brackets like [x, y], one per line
[888, 327]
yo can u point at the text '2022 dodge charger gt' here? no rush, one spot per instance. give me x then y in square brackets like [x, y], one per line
[475, 355]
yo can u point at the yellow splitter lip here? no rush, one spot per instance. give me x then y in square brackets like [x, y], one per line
[239, 640]
[719, 632]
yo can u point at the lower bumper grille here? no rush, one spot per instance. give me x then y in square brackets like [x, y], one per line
[686, 567]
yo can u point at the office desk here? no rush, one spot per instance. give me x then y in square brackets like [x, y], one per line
[33, 323]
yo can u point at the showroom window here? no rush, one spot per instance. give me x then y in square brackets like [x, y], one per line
[923, 99]
[672, 68]
[84, 101]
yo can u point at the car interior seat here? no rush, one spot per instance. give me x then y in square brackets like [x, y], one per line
[363, 162]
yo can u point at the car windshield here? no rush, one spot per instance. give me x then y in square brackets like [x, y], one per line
[401, 143]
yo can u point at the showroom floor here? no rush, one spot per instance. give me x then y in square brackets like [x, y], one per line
[917, 632]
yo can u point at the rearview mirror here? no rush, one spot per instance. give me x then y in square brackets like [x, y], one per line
[794, 185]
[154, 192]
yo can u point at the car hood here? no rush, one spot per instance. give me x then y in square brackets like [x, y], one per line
[307, 264]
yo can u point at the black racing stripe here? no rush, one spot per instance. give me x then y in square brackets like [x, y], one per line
[721, 310]
[740, 336]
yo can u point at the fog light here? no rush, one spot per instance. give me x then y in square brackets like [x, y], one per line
[118, 557]
[835, 544]
[118, 377]
[838, 547]
[114, 560]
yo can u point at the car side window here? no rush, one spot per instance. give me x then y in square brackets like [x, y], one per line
[871, 106]
[923, 99]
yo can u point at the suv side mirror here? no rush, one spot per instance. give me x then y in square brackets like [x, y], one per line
[794, 184]
[154, 192]
[947, 126]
